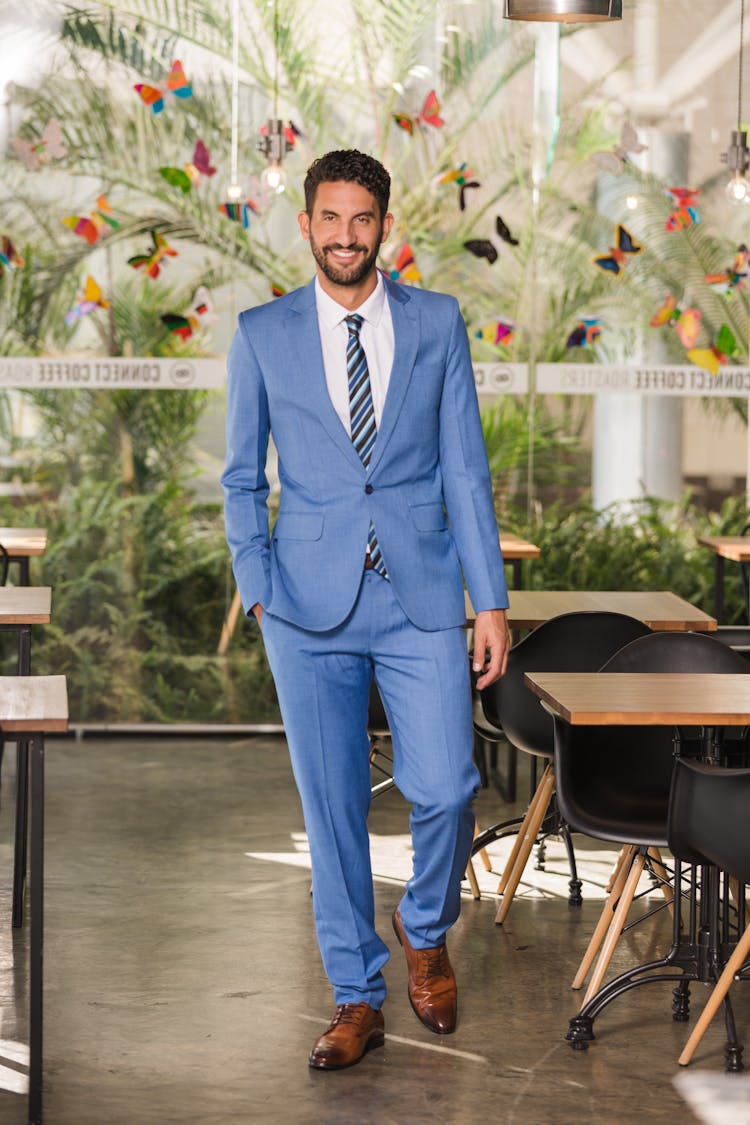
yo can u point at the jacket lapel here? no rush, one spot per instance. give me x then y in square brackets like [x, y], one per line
[303, 330]
[406, 342]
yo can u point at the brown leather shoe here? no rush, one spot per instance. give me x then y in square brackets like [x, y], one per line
[354, 1030]
[432, 984]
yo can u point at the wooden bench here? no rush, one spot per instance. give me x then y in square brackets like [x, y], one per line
[30, 707]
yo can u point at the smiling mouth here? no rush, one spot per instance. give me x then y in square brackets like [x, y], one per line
[348, 254]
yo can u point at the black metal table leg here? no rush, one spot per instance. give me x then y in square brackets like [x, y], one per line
[719, 588]
[22, 812]
[36, 963]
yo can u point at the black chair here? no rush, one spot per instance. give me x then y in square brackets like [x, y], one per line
[572, 642]
[709, 815]
[738, 636]
[613, 782]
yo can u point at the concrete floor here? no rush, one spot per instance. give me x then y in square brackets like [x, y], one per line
[183, 984]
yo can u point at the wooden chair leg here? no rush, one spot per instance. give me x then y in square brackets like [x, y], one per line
[482, 853]
[617, 868]
[615, 928]
[720, 989]
[471, 876]
[521, 835]
[545, 790]
[620, 874]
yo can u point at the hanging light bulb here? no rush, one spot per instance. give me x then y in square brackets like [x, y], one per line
[631, 202]
[563, 11]
[737, 156]
[274, 144]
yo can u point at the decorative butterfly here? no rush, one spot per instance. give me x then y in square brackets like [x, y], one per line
[687, 322]
[685, 213]
[615, 160]
[504, 233]
[499, 332]
[405, 269]
[86, 302]
[277, 290]
[184, 178]
[711, 358]
[733, 278]
[482, 248]
[240, 212]
[186, 324]
[92, 226]
[616, 259]
[176, 84]
[464, 178]
[47, 148]
[153, 260]
[10, 259]
[428, 115]
[291, 132]
[584, 334]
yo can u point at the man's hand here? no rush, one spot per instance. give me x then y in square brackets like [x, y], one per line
[257, 611]
[491, 644]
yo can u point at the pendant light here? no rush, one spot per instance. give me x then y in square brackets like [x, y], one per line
[737, 156]
[563, 11]
[274, 144]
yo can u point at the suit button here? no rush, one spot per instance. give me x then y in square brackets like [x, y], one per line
[369, 489]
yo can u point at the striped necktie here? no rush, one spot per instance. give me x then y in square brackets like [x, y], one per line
[362, 413]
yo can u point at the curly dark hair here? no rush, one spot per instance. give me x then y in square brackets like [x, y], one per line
[352, 167]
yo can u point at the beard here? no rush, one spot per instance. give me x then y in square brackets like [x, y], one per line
[346, 275]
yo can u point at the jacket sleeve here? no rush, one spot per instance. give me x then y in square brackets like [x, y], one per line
[244, 478]
[467, 488]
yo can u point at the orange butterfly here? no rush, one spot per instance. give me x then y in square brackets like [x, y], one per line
[406, 268]
[176, 84]
[92, 226]
[428, 115]
[153, 261]
[687, 322]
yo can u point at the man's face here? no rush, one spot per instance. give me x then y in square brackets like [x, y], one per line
[345, 232]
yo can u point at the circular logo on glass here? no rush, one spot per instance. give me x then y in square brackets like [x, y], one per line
[182, 373]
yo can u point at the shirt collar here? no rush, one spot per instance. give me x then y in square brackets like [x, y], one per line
[332, 314]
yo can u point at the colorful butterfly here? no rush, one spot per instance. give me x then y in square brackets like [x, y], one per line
[428, 115]
[9, 257]
[616, 259]
[176, 84]
[48, 147]
[153, 260]
[482, 248]
[240, 212]
[685, 213]
[687, 322]
[464, 178]
[277, 290]
[499, 332]
[405, 269]
[615, 160]
[711, 358]
[586, 331]
[92, 226]
[733, 278]
[184, 178]
[86, 302]
[186, 324]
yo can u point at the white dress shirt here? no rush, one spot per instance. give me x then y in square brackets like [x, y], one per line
[376, 336]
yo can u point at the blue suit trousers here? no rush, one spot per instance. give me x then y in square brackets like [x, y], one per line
[323, 682]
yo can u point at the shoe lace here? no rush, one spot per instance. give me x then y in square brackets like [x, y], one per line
[347, 1013]
[433, 963]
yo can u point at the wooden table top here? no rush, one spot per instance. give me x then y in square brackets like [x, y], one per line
[644, 698]
[24, 540]
[25, 605]
[513, 547]
[735, 547]
[33, 703]
[659, 609]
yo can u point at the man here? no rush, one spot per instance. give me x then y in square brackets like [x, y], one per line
[368, 390]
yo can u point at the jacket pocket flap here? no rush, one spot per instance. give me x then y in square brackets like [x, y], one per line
[429, 517]
[298, 525]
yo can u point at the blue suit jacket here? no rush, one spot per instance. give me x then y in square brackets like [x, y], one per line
[427, 488]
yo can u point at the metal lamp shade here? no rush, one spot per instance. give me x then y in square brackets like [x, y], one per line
[563, 11]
